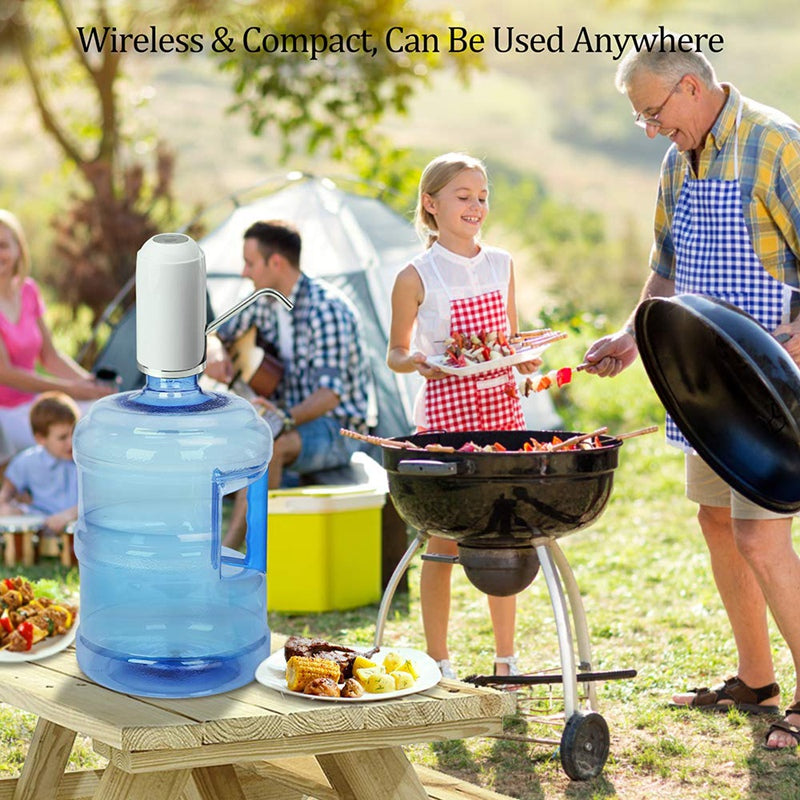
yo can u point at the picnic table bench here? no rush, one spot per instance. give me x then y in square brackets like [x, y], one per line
[253, 743]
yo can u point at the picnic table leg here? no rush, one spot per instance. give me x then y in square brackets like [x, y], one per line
[44, 765]
[216, 783]
[9, 550]
[28, 550]
[367, 774]
[116, 784]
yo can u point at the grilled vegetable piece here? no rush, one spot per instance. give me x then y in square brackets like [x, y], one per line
[300, 671]
[402, 680]
[323, 687]
[352, 688]
[364, 674]
[408, 666]
[363, 663]
[380, 682]
[392, 661]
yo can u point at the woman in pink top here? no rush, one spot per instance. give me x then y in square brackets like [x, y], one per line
[25, 341]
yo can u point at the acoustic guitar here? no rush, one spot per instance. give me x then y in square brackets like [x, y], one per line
[255, 363]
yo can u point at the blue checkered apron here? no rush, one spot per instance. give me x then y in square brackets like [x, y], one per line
[714, 256]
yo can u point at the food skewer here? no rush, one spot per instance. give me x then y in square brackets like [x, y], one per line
[558, 377]
[440, 448]
[640, 432]
[397, 445]
[529, 336]
[578, 439]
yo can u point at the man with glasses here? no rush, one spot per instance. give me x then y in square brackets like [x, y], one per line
[727, 224]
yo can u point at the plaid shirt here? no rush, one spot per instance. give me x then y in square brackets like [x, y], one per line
[327, 350]
[769, 178]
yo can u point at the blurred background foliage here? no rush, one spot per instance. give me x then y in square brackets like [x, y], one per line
[107, 150]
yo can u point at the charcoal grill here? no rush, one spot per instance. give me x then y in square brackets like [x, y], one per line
[506, 511]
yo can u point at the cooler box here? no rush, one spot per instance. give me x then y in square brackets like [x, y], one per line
[324, 547]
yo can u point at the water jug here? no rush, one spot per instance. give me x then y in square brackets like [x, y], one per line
[166, 611]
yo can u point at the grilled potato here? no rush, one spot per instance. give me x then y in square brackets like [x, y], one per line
[380, 682]
[402, 680]
[392, 662]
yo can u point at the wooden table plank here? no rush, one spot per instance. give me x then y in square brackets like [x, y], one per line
[78, 704]
[217, 783]
[366, 775]
[45, 762]
[118, 785]
[74, 786]
[241, 752]
[302, 775]
[251, 713]
[445, 787]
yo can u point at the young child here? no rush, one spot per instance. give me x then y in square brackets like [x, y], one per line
[46, 472]
[457, 285]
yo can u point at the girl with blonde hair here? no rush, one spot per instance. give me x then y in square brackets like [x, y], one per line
[458, 284]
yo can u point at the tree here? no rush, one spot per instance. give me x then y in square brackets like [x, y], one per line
[314, 92]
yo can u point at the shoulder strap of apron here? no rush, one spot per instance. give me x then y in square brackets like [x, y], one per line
[441, 280]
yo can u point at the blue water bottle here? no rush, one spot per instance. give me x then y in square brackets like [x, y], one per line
[165, 610]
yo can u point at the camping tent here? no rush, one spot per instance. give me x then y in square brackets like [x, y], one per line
[353, 241]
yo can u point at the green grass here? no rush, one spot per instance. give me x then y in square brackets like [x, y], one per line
[651, 606]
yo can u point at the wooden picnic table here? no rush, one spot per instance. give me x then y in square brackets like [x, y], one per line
[253, 743]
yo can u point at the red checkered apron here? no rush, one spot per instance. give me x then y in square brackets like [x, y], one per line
[475, 402]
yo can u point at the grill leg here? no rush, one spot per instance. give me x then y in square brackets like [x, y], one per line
[391, 586]
[578, 619]
[563, 628]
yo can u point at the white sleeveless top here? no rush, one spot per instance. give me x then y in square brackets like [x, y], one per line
[488, 271]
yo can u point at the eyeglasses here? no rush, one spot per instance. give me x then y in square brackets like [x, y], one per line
[643, 120]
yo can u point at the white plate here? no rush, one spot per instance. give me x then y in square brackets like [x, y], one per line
[47, 647]
[272, 673]
[519, 356]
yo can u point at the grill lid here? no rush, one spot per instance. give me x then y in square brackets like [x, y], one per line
[731, 388]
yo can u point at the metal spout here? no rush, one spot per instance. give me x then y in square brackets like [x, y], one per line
[241, 306]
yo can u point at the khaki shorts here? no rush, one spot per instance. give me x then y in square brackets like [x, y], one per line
[705, 487]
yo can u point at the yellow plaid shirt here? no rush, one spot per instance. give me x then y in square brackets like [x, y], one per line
[769, 178]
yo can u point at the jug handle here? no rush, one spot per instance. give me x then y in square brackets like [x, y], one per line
[256, 521]
[256, 536]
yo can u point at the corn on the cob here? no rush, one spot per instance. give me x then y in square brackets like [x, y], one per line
[300, 671]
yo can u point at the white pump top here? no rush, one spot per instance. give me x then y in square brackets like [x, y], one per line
[170, 306]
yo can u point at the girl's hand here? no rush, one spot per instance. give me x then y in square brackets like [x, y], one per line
[428, 371]
[529, 367]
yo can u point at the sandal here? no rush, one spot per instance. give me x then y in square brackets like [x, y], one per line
[785, 726]
[733, 693]
[511, 661]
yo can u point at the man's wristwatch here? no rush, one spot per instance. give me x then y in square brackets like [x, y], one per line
[289, 422]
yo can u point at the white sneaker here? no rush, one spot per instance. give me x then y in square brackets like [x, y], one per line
[446, 669]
